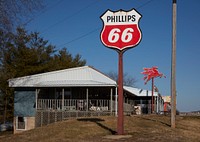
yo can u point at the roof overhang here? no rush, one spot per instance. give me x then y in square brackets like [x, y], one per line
[139, 92]
[73, 77]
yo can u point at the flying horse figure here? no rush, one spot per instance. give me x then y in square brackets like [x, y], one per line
[151, 73]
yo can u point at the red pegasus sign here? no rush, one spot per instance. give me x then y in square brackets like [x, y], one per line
[121, 30]
[151, 73]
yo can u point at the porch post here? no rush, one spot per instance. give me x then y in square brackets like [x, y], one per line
[160, 107]
[111, 98]
[157, 103]
[37, 91]
[161, 103]
[87, 99]
[54, 102]
[63, 97]
[36, 98]
[116, 102]
[141, 106]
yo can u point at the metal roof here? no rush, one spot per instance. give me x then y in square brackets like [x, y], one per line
[79, 76]
[139, 92]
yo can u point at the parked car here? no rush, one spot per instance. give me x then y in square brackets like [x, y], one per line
[8, 126]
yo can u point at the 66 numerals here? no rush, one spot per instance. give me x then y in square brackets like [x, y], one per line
[117, 34]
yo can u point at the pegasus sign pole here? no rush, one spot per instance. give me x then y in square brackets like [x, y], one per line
[120, 32]
[150, 74]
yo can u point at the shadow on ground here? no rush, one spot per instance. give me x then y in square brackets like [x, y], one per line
[155, 120]
[97, 121]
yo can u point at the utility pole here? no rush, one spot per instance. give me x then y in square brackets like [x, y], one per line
[173, 68]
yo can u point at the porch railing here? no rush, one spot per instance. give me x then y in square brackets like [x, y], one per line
[79, 105]
[74, 104]
[53, 110]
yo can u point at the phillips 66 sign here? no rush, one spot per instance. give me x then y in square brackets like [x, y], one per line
[121, 30]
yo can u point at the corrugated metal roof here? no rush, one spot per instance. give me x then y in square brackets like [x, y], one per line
[139, 92]
[80, 76]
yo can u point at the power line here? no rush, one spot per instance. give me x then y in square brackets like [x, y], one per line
[43, 11]
[144, 4]
[70, 16]
[82, 36]
[94, 30]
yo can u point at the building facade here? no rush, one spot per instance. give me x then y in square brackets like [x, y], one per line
[76, 92]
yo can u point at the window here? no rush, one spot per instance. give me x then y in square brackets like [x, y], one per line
[21, 123]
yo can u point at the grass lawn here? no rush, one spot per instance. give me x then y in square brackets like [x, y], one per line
[145, 128]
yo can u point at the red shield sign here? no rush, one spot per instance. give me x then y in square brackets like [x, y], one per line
[121, 30]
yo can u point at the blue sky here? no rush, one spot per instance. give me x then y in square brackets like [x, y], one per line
[76, 25]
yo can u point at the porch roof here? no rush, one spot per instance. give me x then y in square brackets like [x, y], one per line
[139, 92]
[79, 76]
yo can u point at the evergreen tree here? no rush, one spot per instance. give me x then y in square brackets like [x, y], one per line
[23, 54]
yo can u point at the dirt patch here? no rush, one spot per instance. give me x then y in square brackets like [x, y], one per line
[117, 137]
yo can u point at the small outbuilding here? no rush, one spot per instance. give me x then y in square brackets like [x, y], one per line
[142, 100]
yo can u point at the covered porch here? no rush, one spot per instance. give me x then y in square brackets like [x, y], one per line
[76, 99]
[60, 103]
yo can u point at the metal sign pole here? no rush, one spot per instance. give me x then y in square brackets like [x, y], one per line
[120, 121]
[152, 97]
[120, 32]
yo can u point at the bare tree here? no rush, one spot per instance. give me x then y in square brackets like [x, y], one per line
[15, 12]
[127, 80]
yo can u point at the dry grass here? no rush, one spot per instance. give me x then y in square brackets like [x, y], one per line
[141, 128]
